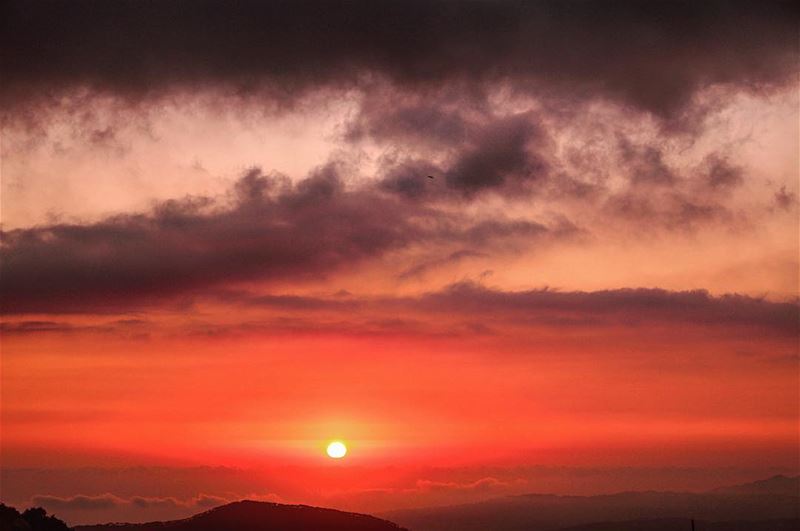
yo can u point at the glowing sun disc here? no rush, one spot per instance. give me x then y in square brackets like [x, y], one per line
[337, 450]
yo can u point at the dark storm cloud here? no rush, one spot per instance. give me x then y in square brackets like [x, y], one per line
[523, 155]
[267, 229]
[502, 153]
[270, 230]
[653, 56]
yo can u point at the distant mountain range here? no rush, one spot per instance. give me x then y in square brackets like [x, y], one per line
[781, 485]
[768, 505]
[260, 516]
[742, 507]
[678, 524]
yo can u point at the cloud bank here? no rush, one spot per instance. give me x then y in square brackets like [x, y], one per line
[652, 56]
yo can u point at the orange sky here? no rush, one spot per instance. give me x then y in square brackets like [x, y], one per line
[600, 281]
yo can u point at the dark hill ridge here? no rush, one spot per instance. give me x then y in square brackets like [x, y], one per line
[261, 516]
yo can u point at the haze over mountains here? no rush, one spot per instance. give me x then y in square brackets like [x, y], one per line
[673, 524]
[732, 508]
[768, 505]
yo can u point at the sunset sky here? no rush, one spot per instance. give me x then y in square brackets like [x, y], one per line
[221, 250]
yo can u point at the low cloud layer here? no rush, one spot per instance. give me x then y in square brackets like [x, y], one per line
[469, 309]
[485, 308]
[81, 509]
[109, 501]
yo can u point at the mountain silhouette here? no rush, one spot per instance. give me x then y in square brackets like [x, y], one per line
[678, 524]
[260, 516]
[751, 504]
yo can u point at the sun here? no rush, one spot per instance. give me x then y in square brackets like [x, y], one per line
[337, 450]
